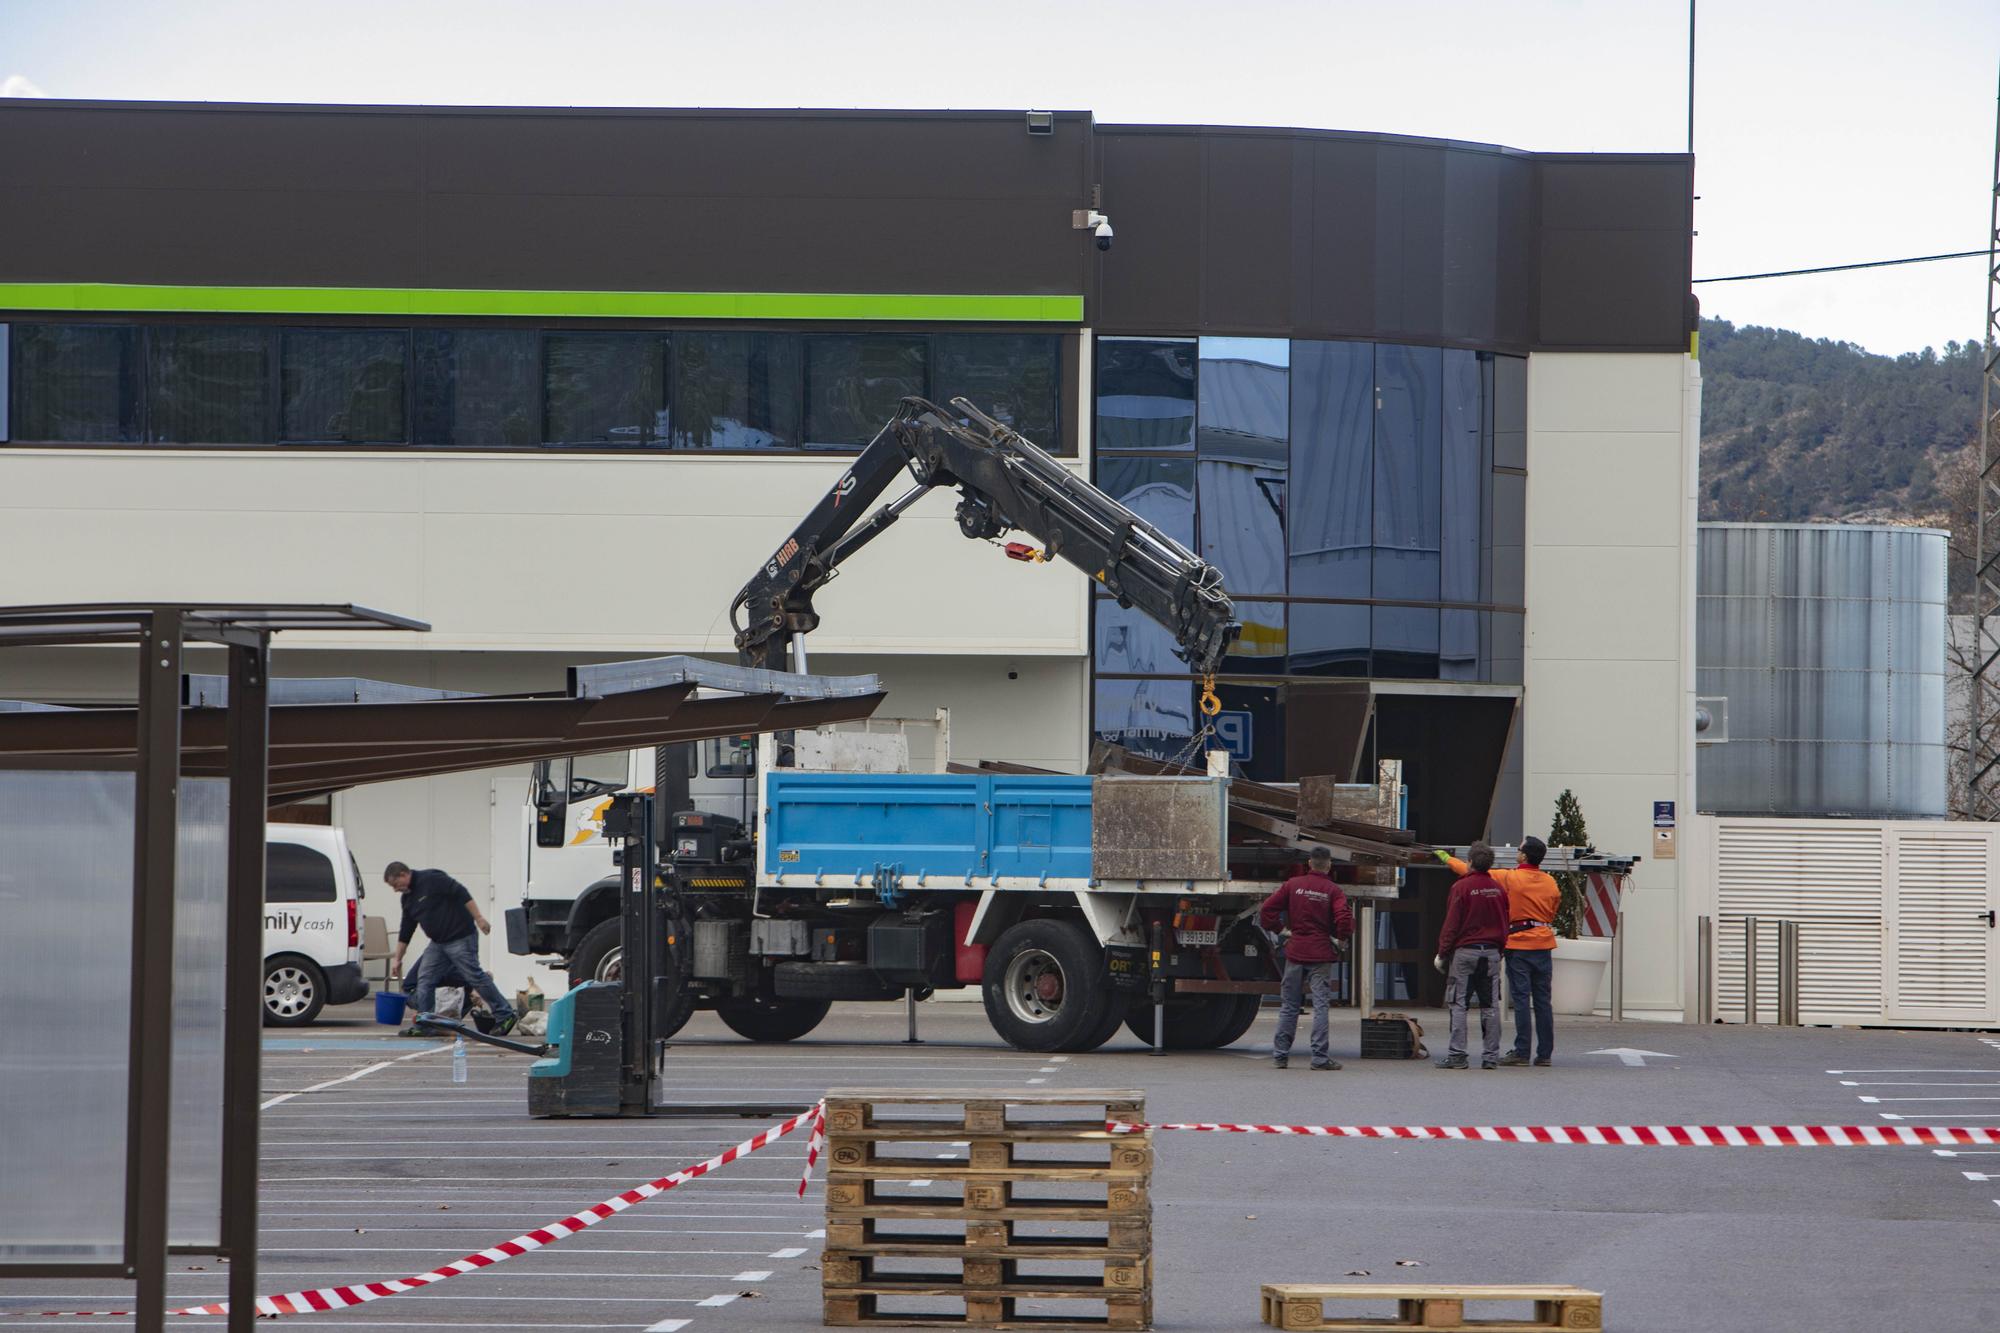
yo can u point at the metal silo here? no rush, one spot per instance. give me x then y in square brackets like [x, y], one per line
[1828, 642]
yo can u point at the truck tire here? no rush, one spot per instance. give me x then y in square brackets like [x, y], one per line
[1046, 988]
[761, 1018]
[1195, 1022]
[294, 991]
[600, 956]
[830, 981]
[1107, 1028]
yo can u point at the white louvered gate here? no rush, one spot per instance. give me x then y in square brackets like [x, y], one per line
[1892, 918]
[1941, 940]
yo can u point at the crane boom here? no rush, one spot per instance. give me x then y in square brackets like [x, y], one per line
[1006, 483]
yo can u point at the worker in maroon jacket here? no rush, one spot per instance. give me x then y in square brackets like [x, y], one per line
[1469, 951]
[1317, 913]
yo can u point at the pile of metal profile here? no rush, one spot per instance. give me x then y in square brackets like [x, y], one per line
[331, 733]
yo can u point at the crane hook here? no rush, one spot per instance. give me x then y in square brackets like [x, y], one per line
[1211, 703]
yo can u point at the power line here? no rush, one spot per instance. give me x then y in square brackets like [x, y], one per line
[1842, 268]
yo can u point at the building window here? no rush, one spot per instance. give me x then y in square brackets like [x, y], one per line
[737, 390]
[75, 382]
[1014, 378]
[606, 389]
[1145, 393]
[1242, 439]
[343, 386]
[854, 384]
[208, 384]
[477, 388]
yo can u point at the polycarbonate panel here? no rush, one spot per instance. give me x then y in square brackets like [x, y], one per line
[65, 1014]
[201, 900]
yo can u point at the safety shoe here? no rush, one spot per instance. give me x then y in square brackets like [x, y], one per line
[1454, 1062]
[1542, 1063]
[506, 1025]
[1489, 1064]
[414, 1031]
[1328, 1067]
[1513, 1058]
[1280, 1062]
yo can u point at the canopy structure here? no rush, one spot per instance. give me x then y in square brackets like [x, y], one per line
[327, 734]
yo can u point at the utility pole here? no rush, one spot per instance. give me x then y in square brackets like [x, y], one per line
[1983, 761]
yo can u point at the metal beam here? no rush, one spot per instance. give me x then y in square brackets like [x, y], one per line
[1982, 759]
[149, 1091]
[243, 973]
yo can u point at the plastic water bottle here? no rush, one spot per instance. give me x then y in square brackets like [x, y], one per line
[458, 1060]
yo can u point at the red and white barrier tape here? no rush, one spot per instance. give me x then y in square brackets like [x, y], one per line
[1648, 1136]
[337, 1298]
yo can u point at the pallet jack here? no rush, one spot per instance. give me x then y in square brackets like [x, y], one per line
[601, 1057]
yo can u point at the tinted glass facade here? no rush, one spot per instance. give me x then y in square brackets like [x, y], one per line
[1363, 501]
[508, 387]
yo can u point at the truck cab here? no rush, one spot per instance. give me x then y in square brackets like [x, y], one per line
[569, 900]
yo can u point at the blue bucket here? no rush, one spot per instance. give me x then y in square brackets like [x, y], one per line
[389, 1006]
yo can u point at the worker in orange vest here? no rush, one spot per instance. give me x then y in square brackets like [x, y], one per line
[1532, 899]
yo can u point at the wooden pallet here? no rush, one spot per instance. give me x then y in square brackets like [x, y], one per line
[998, 1237]
[994, 1308]
[1034, 1156]
[1302, 1306]
[855, 1114]
[862, 1269]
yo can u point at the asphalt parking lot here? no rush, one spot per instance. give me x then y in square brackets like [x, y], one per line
[376, 1166]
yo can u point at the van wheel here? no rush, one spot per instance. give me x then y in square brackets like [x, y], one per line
[1046, 988]
[600, 956]
[294, 991]
[766, 1019]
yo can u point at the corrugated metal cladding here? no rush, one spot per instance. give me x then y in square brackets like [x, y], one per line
[1892, 918]
[1829, 643]
[1289, 233]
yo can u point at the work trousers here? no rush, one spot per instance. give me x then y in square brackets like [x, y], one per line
[1528, 975]
[1474, 968]
[1291, 999]
[455, 961]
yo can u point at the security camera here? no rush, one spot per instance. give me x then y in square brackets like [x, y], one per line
[1096, 223]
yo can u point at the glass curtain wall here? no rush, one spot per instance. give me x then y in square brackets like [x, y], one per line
[1363, 501]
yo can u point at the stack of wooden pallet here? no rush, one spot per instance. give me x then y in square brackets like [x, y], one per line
[981, 1209]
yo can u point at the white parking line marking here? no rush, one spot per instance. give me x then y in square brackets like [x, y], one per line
[816, 1235]
[1876, 1100]
[1037, 1080]
[349, 1078]
[1911, 1083]
[1912, 1071]
[1977, 1175]
[1059, 1059]
[713, 1301]
[752, 1275]
[1941, 1115]
[668, 1326]
[1963, 1152]
[790, 1252]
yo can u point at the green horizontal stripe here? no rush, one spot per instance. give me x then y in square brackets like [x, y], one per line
[119, 296]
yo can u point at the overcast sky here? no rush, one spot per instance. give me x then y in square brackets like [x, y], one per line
[1826, 131]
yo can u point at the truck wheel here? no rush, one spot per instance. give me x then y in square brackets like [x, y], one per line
[1045, 987]
[761, 1018]
[1107, 1027]
[294, 991]
[600, 956]
[1195, 1022]
[830, 981]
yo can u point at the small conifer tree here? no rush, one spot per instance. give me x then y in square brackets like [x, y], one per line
[1567, 830]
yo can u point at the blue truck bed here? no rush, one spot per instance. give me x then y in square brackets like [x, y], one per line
[925, 829]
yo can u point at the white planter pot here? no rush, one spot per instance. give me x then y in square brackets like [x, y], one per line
[1579, 975]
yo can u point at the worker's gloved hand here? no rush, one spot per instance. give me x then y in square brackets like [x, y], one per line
[1443, 856]
[1439, 963]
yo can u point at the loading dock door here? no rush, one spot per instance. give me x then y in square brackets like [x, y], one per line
[1942, 946]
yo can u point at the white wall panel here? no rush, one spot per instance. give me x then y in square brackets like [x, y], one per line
[498, 551]
[1608, 648]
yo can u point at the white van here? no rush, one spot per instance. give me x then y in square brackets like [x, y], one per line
[312, 923]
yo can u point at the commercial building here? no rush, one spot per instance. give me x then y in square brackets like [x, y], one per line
[557, 381]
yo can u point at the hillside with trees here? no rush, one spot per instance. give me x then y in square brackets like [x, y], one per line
[1796, 428]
